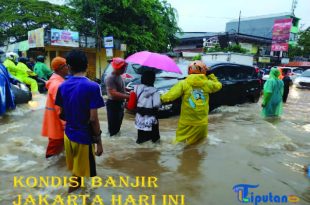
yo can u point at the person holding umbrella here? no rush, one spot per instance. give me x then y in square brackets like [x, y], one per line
[194, 91]
[116, 96]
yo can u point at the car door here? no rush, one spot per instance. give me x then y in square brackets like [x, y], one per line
[219, 98]
[235, 84]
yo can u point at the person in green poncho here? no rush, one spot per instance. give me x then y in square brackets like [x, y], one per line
[41, 69]
[273, 92]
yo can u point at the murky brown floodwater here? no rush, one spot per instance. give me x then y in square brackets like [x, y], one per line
[241, 148]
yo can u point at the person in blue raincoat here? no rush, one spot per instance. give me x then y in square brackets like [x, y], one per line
[6, 94]
[273, 92]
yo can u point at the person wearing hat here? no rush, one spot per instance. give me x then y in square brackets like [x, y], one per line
[53, 126]
[116, 95]
[194, 91]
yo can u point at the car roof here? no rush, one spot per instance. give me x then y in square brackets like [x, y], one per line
[217, 63]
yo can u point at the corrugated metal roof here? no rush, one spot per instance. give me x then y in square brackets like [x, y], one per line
[264, 17]
[184, 35]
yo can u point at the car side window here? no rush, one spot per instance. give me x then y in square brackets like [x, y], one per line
[234, 73]
[240, 73]
[220, 73]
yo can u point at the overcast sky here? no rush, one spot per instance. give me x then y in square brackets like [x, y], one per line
[212, 15]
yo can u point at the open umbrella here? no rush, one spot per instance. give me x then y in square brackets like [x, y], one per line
[154, 60]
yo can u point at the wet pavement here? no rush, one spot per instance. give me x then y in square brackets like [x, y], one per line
[242, 148]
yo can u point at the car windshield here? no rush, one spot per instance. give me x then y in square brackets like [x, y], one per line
[306, 73]
[298, 70]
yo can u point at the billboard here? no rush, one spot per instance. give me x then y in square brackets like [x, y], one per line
[64, 38]
[281, 34]
[36, 38]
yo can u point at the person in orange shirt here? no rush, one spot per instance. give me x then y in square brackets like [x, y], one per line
[53, 126]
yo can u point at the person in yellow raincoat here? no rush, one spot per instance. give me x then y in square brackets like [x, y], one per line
[9, 63]
[194, 90]
[23, 74]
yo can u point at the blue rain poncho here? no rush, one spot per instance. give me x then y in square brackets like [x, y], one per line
[6, 95]
[273, 92]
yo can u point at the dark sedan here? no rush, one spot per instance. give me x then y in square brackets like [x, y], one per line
[240, 84]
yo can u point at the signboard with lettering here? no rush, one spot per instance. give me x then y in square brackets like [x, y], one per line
[36, 38]
[281, 34]
[64, 38]
[108, 42]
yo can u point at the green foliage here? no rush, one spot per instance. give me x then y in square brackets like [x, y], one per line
[197, 58]
[304, 43]
[142, 24]
[236, 49]
[231, 48]
[19, 16]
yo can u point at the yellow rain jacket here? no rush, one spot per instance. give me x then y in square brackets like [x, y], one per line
[10, 65]
[194, 90]
[23, 73]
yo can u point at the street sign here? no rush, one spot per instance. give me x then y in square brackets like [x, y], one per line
[108, 42]
[285, 60]
[123, 47]
[264, 59]
[109, 52]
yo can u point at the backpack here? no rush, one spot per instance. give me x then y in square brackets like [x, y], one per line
[132, 102]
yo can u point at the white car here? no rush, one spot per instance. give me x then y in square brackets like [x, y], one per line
[303, 81]
[292, 72]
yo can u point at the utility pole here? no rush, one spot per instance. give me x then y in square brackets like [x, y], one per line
[236, 36]
[239, 22]
[294, 5]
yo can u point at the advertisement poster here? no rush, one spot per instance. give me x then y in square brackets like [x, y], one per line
[36, 38]
[281, 34]
[64, 38]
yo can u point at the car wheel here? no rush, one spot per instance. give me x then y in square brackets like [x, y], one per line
[254, 99]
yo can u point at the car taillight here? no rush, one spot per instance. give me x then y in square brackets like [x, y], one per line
[127, 76]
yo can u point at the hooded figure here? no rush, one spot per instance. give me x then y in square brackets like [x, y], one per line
[273, 92]
[53, 127]
[148, 102]
[24, 74]
[194, 91]
[6, 94]
[9, 63]
[41, 69]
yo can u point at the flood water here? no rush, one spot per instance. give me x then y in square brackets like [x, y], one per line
[242, 148]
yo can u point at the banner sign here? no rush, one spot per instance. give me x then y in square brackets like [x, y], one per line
[36, 38]
[281, 34]
[64, 38]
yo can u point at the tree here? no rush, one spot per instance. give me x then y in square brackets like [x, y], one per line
[304, 42]
[302, 49]
[231, 48]
[142, 24]
[17, 17]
